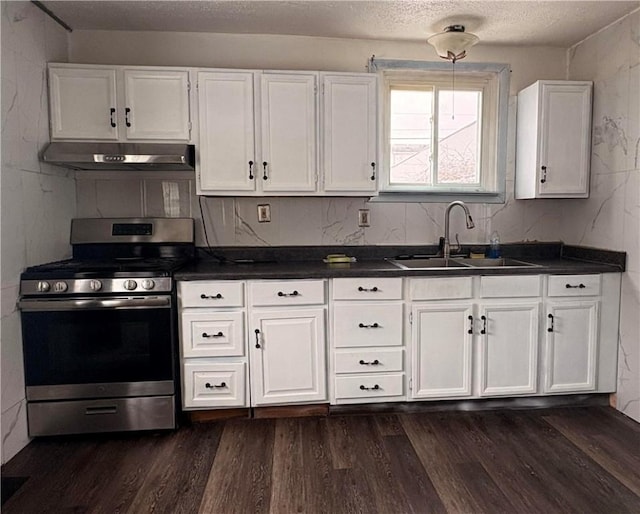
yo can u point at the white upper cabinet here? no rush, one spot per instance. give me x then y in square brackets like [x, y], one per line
[553, 140]
[265, 132]
[156, 104]
[349, 150]
[116, 104]
[288, 135]
[83, 103]
[227, 154]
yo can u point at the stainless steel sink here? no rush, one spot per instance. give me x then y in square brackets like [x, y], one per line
[502, 262]
[436, 263]
[427, 264]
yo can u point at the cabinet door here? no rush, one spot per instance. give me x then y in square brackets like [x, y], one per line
[288, 120]
[508, 337]
[441, 350]
[156, 104]
[83, 103]
[349, 153]
[227, 144]
[287, 352]
[565, 140]
[571, 343]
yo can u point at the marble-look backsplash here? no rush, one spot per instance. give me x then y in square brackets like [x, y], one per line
[38, 201]
[610, 217]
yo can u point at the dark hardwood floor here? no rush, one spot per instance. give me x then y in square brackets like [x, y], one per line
[583, 460]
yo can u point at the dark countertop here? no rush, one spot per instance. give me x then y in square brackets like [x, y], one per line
[306, 262]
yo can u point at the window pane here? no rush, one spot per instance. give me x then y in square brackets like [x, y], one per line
[458, 137]
[411, 127]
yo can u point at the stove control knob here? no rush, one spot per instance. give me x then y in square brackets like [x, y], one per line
[130, 285]
[147, 284]
[60, 287]
[43, 287]
[95, 285]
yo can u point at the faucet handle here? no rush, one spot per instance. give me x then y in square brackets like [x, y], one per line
[441, 246]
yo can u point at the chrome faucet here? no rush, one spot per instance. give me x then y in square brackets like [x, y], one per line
[447, 214]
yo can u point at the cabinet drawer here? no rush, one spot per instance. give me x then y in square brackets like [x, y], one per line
[362, 324]
[287, 292]
[213, 384]
[212, 334]
[370, 386]
[206, 293]
[369, 360]
[514, 286]
[448, 288]
[367, 289]
[574, 285]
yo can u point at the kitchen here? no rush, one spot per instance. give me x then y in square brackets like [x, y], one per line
[38, 201]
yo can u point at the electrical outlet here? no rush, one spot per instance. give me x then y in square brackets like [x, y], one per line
[363, 218]
[264, 213]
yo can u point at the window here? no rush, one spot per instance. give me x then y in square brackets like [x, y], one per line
[443, 139]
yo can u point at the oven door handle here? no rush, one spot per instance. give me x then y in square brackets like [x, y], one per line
[140, 302]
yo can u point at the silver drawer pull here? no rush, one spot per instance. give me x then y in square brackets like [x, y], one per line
[372, 363]
[215, 386]
[374, 388]
[579, 286]
[373, 289]
[219, 334]
[211, 297]
[372, 325]
[293, 293]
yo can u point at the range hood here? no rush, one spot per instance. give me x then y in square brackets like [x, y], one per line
[121, 156]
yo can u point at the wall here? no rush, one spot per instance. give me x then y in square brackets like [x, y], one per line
[38, 201]
[610, 217]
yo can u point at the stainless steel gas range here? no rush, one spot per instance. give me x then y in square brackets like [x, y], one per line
[99, 330]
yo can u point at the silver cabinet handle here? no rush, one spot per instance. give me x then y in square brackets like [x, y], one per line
[215, 386]
[372, 325]
[211, 297]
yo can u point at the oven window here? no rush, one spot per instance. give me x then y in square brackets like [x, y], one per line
[97, 346]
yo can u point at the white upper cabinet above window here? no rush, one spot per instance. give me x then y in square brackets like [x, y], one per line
[110, 103]
[553, 140]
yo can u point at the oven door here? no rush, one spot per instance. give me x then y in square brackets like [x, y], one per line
[98, 347]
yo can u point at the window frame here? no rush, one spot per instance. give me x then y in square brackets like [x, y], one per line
[494, 79]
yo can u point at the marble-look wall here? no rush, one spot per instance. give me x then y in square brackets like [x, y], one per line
[610, 217]
[38, 201]
[233, 221]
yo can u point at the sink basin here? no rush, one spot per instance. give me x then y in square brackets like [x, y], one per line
[502, 262]
[427, 264]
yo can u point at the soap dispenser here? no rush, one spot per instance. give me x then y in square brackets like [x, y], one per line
[494, 245]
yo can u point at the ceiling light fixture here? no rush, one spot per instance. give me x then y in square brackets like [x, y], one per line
[452, 44]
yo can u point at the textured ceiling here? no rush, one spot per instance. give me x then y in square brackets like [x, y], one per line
[515, 22]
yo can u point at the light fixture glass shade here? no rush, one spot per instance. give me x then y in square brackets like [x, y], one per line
[453, 43]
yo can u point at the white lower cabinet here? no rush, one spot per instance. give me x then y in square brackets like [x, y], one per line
[213, 344]
[287, 348]
[442, 338]
[508, 347]
[465, 344]
[288, 356]
[573, 332]
[462, 337]
[367, 340]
